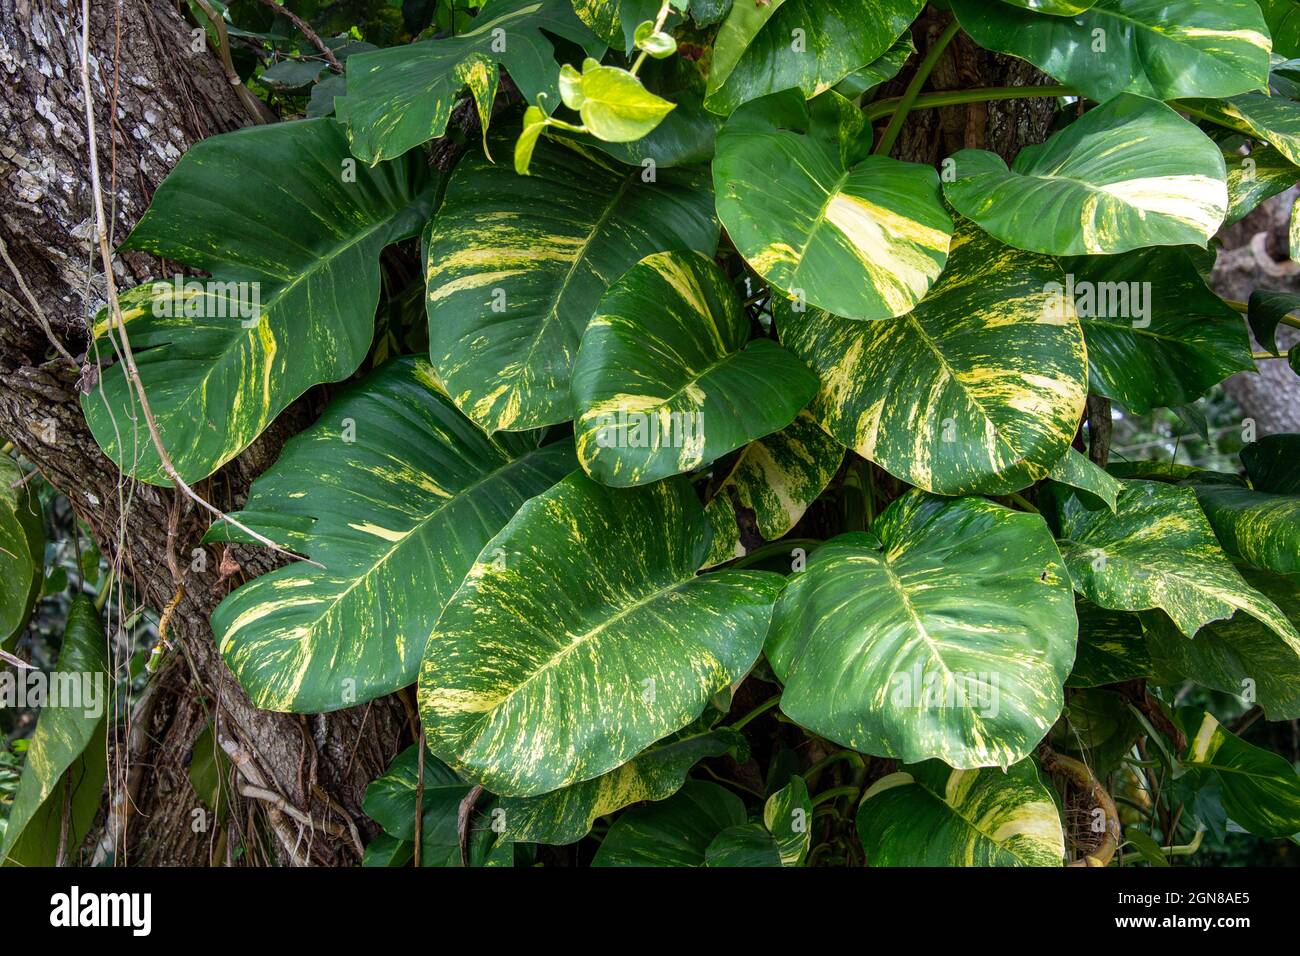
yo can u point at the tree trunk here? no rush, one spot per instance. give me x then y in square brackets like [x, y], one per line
[154, 97]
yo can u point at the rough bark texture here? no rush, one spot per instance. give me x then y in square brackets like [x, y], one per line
[154, 97]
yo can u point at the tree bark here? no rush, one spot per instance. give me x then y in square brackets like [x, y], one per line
[154, 95]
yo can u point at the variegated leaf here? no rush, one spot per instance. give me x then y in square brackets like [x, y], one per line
[1112, 647]
[1273, 464]
[675, 832]
[1159, 48]
[666, 378]
[66, 754]
[402, 96]
[1078, 471]
[825, 223]
[779, 476]
[1261, 529]
[1260, 790]
[1157, 335]
[395, 493]
[291, 303]
[929, 648]
[787, 815]
[880, 70]
[1272, 119]
[1157, 550]
[615, 21]
[806, 45]
[1059, 8]
[979, 389]
[932, 815]
[1129, 174]
[1257, 177]
[589, 640]
[746, 845]
[1283, 19]
[516, 267]
[566, 816]
[1239, 656]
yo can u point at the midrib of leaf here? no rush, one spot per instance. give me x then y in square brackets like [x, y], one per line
[1002, 847]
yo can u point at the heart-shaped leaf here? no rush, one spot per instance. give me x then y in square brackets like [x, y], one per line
[660, 370]
[978, 389]
[516, 268]
[395, 493]
[1129, 174]
[613, 104]
[932, 815]
[589, 639]
[860, 236]
[291, 302]
[1157, 336]
[1159, 48]
[764, 48]
[932, 648]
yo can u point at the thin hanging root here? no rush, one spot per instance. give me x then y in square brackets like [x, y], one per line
[118, 324]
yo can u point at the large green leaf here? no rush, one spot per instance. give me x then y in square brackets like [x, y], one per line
[615, 21]
[1260, 790]
[1157, 335]
[516, 267]
[932, 815]
[1112, 647]
[22, 549]
[666, 378]
[65, 762]
[810, 45]
[1261, 529]
[1060, 8]
[1267, 309]
[1159, 48]
[675, 832]
[952, 639]
[566, 816]
[297, 233]
[403, 96]
[589, 640]
[1239, 656]
[395, 493]
[824, 222]
[980, 388]
[1273, 119]
[1283, 19]
[1157, 550]
[1129, 174]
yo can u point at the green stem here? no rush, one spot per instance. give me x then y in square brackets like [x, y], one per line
[105, 588]
[731, 783]
[757, 711]
[1187, 849]
[1244, 309]
[1023, 502]
[929, 101]
[834, 793]
[890, 136]
[1261, 356]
